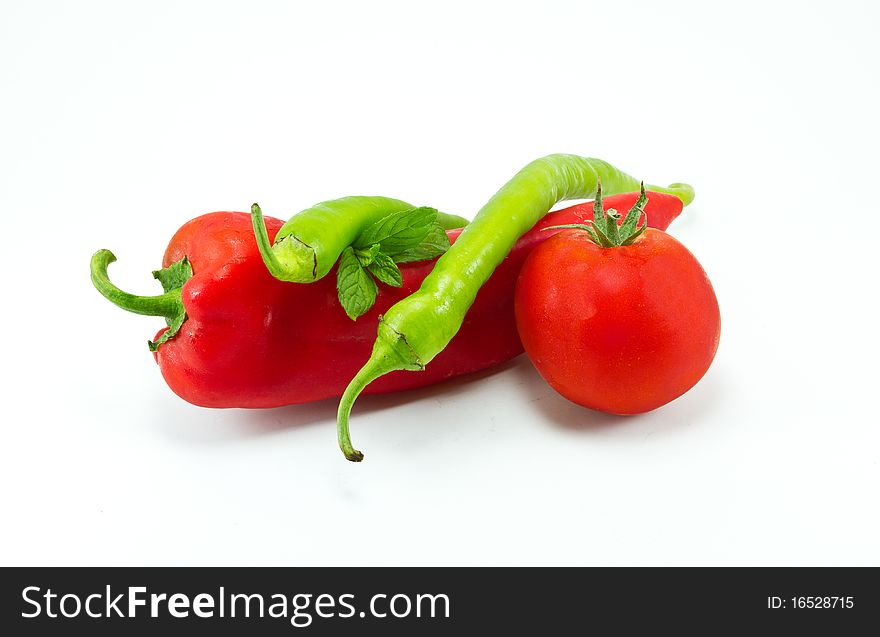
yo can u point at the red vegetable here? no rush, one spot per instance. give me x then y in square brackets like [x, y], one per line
[250, 340]
[623, 329]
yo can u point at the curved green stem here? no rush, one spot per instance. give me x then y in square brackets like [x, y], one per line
[168, 304]
[368, 373]
[390, 353]
[274, 266]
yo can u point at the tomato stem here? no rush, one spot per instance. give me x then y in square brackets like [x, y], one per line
[606, 228]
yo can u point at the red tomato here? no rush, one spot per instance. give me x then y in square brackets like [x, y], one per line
[623, 329]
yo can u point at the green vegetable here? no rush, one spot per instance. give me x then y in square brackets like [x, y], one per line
[416, 329]
[435, 243]
[399, 230]
[412, 232]
[356, 288]
[384, 269]
[309, 244]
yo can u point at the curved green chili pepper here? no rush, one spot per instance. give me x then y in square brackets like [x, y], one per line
[416, 329]
[309, 244]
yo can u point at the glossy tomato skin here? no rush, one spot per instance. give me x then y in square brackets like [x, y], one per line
[623, 330]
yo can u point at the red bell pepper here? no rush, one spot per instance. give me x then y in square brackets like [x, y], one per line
[250, 340]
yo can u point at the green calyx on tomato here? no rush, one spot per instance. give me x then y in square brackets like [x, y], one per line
[606, 230]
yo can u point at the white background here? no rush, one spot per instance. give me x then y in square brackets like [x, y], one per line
[120, 121]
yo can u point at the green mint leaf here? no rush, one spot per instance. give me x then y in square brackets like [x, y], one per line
[355, 288]
[399, 231]
[367, 256]
[433, 245]
[384, 269]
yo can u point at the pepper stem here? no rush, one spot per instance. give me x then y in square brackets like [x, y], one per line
[391, 352]
[289, 259]
[374, 368]
[167, 304]
[264, 245]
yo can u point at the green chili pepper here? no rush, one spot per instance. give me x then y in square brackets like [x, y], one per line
[307, 246]
[416, 329]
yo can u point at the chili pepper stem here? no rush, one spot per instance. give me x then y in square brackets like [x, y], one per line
[391, 352]
[168, 304]
[288, 260]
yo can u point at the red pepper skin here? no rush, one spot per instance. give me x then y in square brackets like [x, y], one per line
[251, 340]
